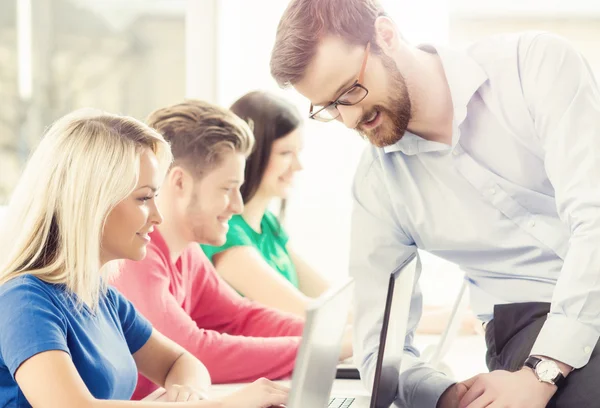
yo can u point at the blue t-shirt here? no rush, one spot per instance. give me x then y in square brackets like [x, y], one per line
[36, 316]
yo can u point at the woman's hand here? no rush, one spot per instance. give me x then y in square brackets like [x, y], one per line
[182, 393]
[260, 394]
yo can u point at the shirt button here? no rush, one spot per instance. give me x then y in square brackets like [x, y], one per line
[587, 350]
[492, 191]
[455, 152]
[531, 224]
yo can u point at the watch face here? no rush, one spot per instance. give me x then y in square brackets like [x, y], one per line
[547, 370]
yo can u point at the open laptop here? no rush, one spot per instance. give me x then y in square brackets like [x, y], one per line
[319, 351]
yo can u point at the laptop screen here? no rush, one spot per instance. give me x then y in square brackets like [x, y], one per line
[393, 330]
[320, 349]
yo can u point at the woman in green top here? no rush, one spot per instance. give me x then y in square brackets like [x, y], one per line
[257, 259]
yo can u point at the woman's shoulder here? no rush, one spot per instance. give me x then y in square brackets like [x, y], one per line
[273, 227]
[25, 284]
[27, 294]
[271, 220]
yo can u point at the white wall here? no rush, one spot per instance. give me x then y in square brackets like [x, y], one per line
[319, 209]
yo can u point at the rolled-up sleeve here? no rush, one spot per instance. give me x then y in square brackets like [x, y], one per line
[378, 247]
[564, 101]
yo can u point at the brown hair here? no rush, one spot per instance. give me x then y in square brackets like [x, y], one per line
[272, 118]
[200, 133]
[305, 22]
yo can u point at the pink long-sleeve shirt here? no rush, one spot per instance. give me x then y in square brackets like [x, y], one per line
[238, 340]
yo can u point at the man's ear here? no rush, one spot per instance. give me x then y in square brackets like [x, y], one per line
[180, 180]
[387, 37]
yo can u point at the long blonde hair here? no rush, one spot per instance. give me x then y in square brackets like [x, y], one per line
[86, 163]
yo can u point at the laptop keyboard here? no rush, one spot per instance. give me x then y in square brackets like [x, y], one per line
[340, 402]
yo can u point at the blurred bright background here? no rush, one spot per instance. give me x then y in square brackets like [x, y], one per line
[133, 56]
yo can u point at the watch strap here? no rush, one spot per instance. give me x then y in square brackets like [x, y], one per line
[532, 362]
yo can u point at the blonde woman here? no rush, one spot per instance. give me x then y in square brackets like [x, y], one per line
[85, 200]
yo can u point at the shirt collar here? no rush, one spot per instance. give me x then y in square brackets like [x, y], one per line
[465, 76]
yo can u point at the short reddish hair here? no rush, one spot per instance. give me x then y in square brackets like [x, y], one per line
[305, 22]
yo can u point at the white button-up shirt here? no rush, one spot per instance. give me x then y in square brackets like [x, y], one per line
[515, 201]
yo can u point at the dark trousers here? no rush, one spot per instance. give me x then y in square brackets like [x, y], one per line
[510, 337]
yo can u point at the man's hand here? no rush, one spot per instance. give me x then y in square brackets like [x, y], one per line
[452, 396]
[500, 388]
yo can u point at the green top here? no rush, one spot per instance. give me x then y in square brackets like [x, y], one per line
[270, 243]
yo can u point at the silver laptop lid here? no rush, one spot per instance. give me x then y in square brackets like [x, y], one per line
[320, 348]
[393, 333]
[319, 351]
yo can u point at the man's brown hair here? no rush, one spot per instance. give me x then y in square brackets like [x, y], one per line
[200, 134]
[305, 22]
